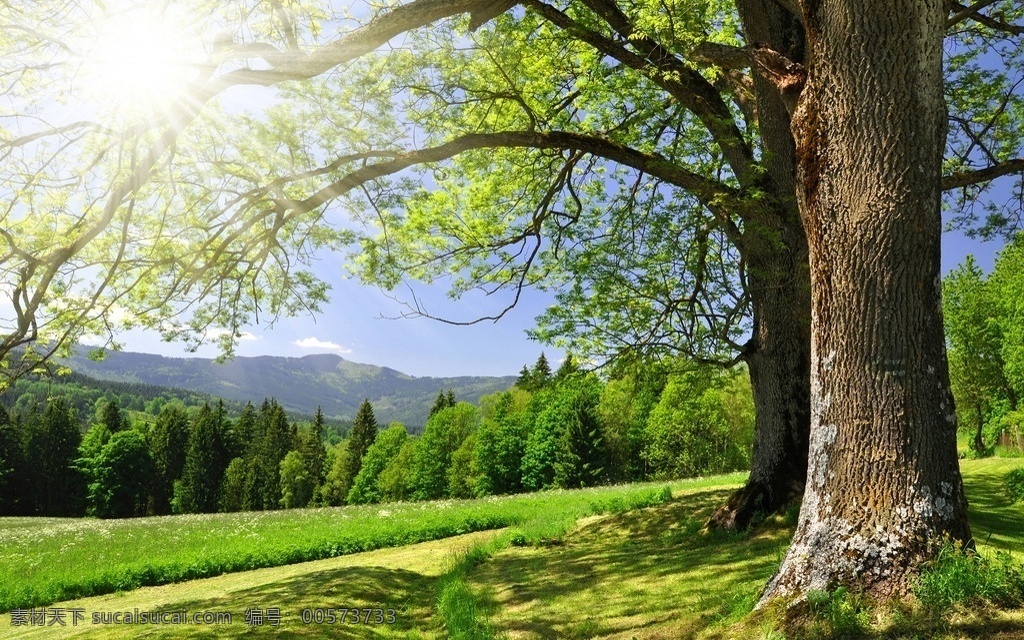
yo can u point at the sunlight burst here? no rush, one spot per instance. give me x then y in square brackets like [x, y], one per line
[139, 59]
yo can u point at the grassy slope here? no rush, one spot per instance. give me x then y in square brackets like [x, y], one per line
[643, 574]
[652, 572]
[647, 574]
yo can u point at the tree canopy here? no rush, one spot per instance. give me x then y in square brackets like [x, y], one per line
[623, 159]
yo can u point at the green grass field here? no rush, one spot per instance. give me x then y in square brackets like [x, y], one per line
[650, 574]
[45, 560]
[645, 573]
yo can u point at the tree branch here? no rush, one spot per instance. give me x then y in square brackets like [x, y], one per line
[973, 12]
[718, 197]
[369, 37]
[667, 71]
[967, 178]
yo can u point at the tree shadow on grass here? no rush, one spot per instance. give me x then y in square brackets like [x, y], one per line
[634, 572]
[991, 629]
[409, 594]
[995, 519]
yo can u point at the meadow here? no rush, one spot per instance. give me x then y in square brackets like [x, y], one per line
[642, 570]
[45, 560]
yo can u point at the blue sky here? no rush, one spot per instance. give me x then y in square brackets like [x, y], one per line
[357, 325]
[352, 326]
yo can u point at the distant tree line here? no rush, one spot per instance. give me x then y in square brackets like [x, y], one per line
[86, 394]
[566, 429]
[186, 461]
[984, 317]
[563, 429]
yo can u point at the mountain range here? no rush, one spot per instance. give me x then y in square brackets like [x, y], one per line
[335, 384]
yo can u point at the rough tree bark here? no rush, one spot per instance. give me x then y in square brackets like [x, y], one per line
[884, 485]
[778, 359]
[775, 251]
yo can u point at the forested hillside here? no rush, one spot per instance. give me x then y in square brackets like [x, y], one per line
[300, 385]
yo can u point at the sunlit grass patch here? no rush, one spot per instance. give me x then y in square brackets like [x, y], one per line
[48, 560]
[651, 573]
[402, 579]
[646, 573]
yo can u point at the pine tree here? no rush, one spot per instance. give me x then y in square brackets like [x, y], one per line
[525, 379]
[246, 430]
[12, 465]
[443, 401]
[541, 373]
[56, 486]
[198, 491]
[112, 417]
[363, 434]
[168, 444]
[581, 457]
[263, 481]
[440, 403]
[313, 451]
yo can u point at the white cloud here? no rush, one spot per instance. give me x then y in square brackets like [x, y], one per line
[317, 343]
[92, 341]
[245, 336]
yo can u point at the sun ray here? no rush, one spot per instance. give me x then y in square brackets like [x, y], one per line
[139, 59]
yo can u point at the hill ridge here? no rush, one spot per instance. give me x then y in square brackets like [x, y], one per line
[299, 384]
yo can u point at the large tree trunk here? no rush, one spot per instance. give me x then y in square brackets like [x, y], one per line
[775, 251]
[883, 486]
[779, 363]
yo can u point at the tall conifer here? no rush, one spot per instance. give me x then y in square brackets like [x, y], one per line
[364, 432]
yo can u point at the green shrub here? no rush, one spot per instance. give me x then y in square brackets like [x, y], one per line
[517, 538]
[959, 576]
[1013, 482]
